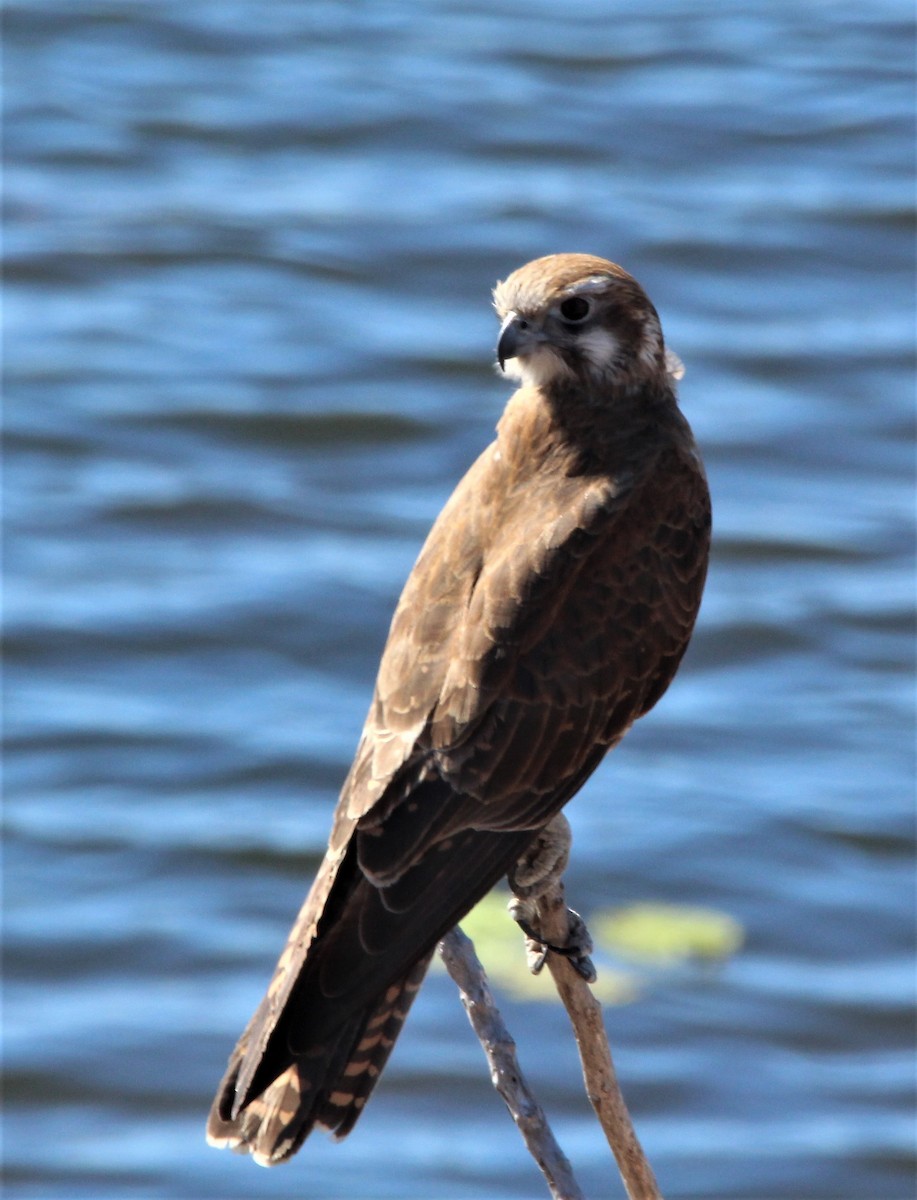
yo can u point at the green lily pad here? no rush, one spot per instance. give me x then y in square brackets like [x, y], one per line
[664, 933]
[500, 946]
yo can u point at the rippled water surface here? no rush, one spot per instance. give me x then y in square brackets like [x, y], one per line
[248, 351]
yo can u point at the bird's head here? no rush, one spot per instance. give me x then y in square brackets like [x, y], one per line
[577, 319]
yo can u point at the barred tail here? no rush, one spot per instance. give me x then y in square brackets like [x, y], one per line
[327, 1086]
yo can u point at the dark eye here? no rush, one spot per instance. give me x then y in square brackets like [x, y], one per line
[575, 309]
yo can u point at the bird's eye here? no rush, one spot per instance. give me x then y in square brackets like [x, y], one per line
[575, 308]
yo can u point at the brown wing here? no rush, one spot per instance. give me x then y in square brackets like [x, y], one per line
[546, 612]
[577, 608]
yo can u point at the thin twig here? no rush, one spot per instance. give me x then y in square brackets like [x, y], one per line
[552, 923]
[457, 952]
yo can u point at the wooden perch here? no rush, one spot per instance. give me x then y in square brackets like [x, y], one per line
[551, 922]
[457, 952]
[558, 936]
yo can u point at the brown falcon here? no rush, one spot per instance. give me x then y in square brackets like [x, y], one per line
[548, 610]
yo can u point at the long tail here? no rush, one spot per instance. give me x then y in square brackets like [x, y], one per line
[354, 961]
[329, 1088]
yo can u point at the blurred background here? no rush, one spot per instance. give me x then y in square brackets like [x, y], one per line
[249, 350]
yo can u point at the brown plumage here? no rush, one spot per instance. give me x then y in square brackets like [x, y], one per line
[548, 610]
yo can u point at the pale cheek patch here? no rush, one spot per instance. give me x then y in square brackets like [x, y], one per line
[600, 349]
[538, 368]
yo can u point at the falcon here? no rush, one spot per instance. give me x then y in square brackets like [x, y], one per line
[549, 608]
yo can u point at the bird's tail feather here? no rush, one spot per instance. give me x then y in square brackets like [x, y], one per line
[328, 1087]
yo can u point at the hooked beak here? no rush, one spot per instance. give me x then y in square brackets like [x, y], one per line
[516, 333]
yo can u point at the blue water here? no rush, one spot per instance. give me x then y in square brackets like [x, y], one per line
[248, 351]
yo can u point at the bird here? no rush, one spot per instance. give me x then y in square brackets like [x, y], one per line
[548, 610]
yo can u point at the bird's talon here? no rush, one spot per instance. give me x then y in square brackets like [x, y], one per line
[577, 949]
[536, 956]
[584, 967]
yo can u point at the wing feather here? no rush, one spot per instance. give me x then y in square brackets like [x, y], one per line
[548, 609]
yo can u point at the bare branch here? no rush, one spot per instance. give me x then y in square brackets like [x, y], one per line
[457, 952]
[557, 936]
[552, 924]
